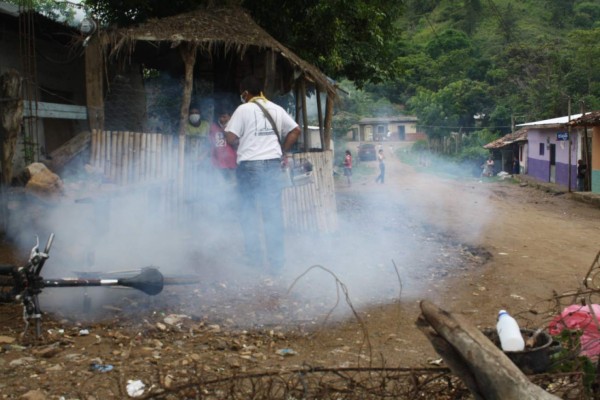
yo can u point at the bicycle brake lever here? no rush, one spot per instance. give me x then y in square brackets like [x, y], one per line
[36, 249]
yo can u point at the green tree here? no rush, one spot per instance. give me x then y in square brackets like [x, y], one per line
[507, 23]
[433, 117]
[345, 38]
[584, 53]
[57, 10]
[128, 12]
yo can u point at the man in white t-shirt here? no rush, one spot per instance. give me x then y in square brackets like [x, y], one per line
[259, 157]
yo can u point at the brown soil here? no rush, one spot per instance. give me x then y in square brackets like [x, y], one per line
[470, 247]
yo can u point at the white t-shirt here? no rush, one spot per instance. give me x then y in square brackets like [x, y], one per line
[258, 140]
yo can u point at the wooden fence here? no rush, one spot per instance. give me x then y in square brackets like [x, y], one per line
[151, 160]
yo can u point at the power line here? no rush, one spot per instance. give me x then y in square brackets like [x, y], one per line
[464, 127]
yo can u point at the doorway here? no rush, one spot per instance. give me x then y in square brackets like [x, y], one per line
[553, 163]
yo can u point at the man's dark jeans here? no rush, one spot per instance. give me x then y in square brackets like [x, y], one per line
[260, 185]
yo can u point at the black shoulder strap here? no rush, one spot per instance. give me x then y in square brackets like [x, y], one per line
[269, 117]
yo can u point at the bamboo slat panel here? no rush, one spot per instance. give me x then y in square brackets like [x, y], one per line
[152, 160]
[311, 207]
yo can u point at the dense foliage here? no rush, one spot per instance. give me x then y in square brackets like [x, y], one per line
[57, 10]
[459, 65]
[473, 64]
[349, 38]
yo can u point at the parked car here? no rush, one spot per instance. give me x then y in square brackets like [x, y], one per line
[367, 152]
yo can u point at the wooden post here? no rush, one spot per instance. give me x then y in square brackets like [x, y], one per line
[320, 117]
[306, 140]
[94, 65]
[328, 120]
[188, 54]
[270, 73]
[11, 116]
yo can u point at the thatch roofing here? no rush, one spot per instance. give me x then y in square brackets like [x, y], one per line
[230, 27]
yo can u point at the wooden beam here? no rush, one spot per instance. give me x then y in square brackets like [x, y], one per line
[484, 368]
[306, 141]
[188, 54]
[320, 117]
[11, 116]
[328, 121]
[54, 110]
[270, 73]
[94, 79]
[69, 150]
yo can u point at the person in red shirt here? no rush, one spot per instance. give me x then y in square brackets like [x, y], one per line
[223, 156]
[348, 166]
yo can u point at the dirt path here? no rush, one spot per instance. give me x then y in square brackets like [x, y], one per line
[471, 247]
[538, 243]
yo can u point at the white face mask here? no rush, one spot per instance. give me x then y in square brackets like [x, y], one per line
[194, 118]
[242, 98]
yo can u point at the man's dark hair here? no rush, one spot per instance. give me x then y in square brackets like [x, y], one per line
[252, 85]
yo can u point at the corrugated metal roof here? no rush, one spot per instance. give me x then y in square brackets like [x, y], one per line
[552, 121]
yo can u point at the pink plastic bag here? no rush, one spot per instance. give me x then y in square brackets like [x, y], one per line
[576, 317]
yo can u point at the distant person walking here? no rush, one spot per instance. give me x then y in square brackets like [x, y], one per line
[348, 167]
[381, 159]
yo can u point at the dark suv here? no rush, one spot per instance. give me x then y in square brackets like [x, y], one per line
[367, 152]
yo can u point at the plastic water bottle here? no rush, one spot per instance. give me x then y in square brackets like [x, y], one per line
[509, 333]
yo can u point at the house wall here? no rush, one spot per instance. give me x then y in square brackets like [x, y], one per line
[538, 165]
[375, 130]
[595, 172]
[59, 78]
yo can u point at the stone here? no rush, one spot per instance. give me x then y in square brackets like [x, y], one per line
[43, 182]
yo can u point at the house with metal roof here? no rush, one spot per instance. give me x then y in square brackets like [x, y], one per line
[51, 76]
[397, 128]
[591, 147]
[553, 150]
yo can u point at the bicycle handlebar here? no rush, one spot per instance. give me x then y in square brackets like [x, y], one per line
[27, 283]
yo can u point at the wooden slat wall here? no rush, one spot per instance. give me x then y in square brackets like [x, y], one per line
[134, 158]
[312, 207]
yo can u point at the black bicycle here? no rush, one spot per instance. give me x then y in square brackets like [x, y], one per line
[24, 284]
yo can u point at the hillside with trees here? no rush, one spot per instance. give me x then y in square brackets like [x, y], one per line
[466, 66]
[474, 64]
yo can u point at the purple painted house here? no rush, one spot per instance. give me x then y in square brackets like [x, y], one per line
[548, 157]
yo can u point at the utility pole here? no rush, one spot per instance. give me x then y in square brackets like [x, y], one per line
[586, 150]
[570, 142]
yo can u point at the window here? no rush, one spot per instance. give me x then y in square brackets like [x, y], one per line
[542, 147]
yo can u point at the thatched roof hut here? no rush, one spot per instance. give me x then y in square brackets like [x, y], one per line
[209, 29]
[218, 44]
[203, 55]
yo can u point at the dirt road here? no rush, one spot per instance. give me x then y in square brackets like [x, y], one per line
[471, 247]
